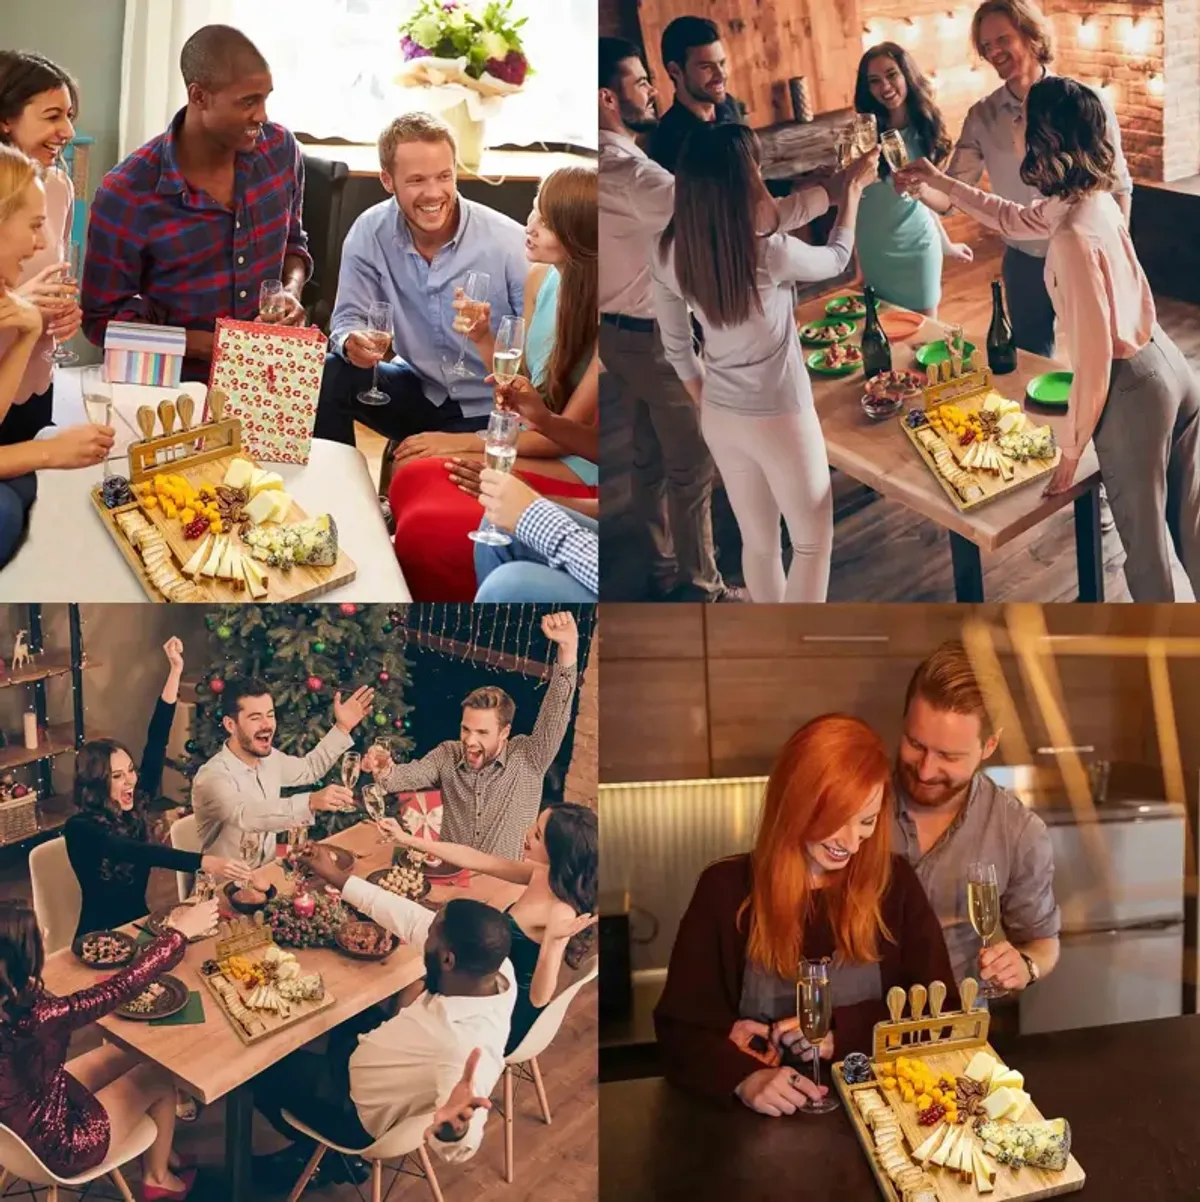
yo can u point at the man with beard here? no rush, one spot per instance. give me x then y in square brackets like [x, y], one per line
[642, 400]
[189, 226]
[694, 58]
[950, 815]
[239, 790]
[414, 252]
[490, 779]
[373, 1077]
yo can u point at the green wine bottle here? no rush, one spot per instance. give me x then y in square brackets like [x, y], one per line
[876, 349]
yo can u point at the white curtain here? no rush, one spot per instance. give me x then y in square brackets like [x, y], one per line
[152, 90]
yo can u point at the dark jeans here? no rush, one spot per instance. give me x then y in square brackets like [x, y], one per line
[316, 1088]
[407, 412]
[1029, 306]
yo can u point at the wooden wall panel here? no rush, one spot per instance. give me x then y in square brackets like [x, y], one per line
[653, 631]
[766, 45]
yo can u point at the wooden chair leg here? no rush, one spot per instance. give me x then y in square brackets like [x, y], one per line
[430, 1175]
[540, 1086]
[508, 1124]
[5, 1178]
[377, 1181]
[52, 1194]
[122, 1185]
[309, 1170]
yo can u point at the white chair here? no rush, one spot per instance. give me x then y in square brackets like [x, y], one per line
[57, 899]
[405, 1140]
[19, 1163]
[185, 837]
[521, 1064]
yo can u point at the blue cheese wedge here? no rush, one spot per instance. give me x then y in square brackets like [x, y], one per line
[1045, 1145]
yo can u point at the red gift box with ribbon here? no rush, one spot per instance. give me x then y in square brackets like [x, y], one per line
[272, 377]
[420, 814]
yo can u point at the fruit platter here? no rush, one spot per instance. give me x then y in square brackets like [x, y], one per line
[200, 521]
[840, 359]
[942, 1118]
[262, 990]
[826, 331]
[979, 444]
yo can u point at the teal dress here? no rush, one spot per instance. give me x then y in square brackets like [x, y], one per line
[539, 342]
[899, 244]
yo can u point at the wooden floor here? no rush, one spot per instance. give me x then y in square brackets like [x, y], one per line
[555, 1163]
[882, 551]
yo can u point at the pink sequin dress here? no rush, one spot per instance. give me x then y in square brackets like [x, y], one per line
[60, 1120]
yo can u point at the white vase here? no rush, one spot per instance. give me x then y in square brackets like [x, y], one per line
[468, 133]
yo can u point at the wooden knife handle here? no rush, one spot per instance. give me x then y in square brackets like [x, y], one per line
[166, 415]
[895, 1003]
[185, 406]
[916, 996]
[217, 400]
[968, 991]
[146, 421]
[937, 998]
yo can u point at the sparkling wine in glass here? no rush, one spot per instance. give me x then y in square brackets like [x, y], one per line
[379, 333]
[844, 145]
[510, 346]
[475, 288]
[894, 149]
[866, 132]
[270, 301]
[375, 803]
[98, 402]
[204, 887]
[499, 453]
[983, 907]
[61, 355]
[382, 743]
[814, 1009]
[351, 767]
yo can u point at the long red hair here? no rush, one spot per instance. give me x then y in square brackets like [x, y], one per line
[822, 778]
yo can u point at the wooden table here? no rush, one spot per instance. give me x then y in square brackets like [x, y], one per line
[211, 1062]
[879, 455]
[1130, 1093]
[527, 166]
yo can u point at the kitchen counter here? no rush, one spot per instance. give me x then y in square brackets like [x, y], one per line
[1132, 793]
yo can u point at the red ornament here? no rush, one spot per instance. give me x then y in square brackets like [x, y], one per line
[399, 724]
[19, 791]
[304, 905]
[314, 684]
[384, 677]
[217, 685]
[348, 608]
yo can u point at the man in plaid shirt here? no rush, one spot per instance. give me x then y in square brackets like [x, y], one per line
[188, 227]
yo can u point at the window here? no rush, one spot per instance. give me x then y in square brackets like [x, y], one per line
[334, 64]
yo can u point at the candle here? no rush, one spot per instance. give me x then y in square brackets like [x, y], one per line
[304, 905]
[31, 730]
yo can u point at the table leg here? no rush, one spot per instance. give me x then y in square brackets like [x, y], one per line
[239, 1135]
[1089, 549]
[968, 569]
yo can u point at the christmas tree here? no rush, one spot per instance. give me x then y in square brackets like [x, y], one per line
[305, 654]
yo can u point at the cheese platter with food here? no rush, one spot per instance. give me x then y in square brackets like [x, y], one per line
[198, 520]
[978, 444]
[942, 1118]
[840, 359]
[826, 330]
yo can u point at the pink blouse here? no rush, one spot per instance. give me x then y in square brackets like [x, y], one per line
[1100, 294]
[60, 201]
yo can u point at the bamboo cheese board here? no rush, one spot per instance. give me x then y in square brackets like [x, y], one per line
[954, 1158]
[152, 538]
[954, 405]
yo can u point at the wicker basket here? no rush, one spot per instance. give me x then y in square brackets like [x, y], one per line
[18, 818]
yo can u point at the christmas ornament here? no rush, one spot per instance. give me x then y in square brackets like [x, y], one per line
[210, 622]
[381, 719]
[384, 677]
[348, 608]
[388, 628]
[319, 648]
[201, 687]
[400, 724]
[224, 632]
[314, 684]
[217, 685]
[191, 747]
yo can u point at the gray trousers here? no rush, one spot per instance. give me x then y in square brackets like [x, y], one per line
[1029, 306]
[1148, 444]
[655, 466]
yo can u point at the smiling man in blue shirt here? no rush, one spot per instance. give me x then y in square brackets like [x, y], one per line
[413, 251]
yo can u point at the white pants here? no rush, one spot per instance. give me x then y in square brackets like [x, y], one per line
[772, 466]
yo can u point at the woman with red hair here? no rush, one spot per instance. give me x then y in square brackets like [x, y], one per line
[821, 881]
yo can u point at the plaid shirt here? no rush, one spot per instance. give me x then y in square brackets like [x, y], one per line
[160, 251]
[562, 542]
[491, 810]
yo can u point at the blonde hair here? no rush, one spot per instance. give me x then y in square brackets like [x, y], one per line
[1030, 21]
[17, 172]
[413, 127]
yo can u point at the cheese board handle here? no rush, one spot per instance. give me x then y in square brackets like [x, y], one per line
[968, 991]
[916, 997]
[186, 407]
[895, 1003]
[217, 400]
[166, 415]
[937, 998]
[146, 421]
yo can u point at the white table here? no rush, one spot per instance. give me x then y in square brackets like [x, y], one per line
[69, 556]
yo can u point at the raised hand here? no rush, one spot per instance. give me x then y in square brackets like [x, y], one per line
[566, 926]
[173, 650]
[462, 1103]
[349, 713]
[375, 759]
[560, 628]
[320, 862]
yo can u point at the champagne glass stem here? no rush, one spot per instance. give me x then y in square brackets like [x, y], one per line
[817, 1065]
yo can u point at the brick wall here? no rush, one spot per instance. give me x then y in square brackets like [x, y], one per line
[582, 777]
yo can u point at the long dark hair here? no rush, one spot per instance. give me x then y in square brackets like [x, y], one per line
[22, 956]
[714, 230]
[23, 76]
[1067, 149]
[573, 849]
[924, 116]
[93, 789]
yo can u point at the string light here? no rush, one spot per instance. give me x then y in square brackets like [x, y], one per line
[1089, 32]
[1154, 85]
[1137, 36]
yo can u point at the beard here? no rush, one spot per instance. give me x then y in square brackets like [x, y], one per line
[248, 744]
[640, 121]
[433, 973]
[704, 96]
[933, 793]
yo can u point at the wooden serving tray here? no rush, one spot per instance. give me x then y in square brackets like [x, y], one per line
[1025, 1184]
[271, 1021]
[300, 583]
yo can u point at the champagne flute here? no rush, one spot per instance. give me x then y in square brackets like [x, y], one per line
[270, 300]
[98, 402]
[510, 346]
[379, 333]
[295, 838]
[204, 887]
[866, 132]
[375, 803]
[983, 907]
[62, 355]
[475, 288]
[955, 348]
[250, 846]
[351, 767]
[499, 453]
[844, 147]
[894, 150]
[814, 1009]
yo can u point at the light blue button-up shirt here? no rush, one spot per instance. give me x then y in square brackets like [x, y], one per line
[380, 263]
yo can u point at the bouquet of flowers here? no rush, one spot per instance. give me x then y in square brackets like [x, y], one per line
[454, 42]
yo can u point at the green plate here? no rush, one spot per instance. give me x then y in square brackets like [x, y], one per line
[818, 368]
[936, 352]
[827, 321]
[859, 310]
[1051, 389]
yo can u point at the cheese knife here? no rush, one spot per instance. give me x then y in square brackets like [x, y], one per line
[968, 991]
[166, 415]
[185, 407]
[916, 996]
[146, 422]
[937, 999]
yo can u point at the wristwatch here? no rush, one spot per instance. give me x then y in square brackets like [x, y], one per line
[1030, 964]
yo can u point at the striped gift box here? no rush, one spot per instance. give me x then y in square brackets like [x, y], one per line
[144, 354]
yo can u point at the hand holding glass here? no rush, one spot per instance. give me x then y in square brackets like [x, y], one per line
[499, 453]
[379, 334]
[98, 402]
[814, 1009]
[510, 347]
[475, 288]
[866, 132]
[270, 300]
[983, 907]
[62, 355]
